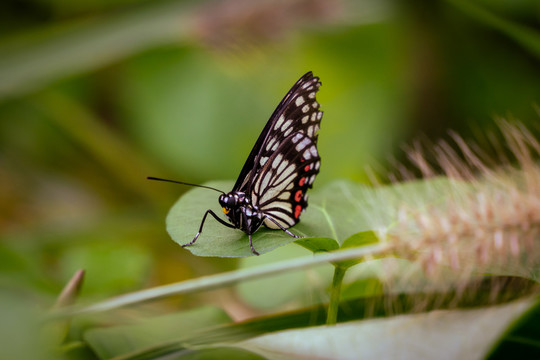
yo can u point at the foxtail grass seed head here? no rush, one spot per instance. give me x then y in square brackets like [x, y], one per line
[485, 219]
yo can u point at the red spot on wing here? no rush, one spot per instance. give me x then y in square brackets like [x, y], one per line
[306, 168]
[302, 181]
[297, 211]
[298, 196]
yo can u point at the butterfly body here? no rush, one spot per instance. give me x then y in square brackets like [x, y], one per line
[240, 212]
[271, 188]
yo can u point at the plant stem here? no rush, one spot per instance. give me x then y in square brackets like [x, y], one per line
[339, 273]
[211, 282]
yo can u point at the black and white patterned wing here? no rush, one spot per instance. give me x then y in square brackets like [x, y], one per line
[279, 189]
[297, 112]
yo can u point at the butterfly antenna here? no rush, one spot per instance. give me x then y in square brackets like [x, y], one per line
[184, 183]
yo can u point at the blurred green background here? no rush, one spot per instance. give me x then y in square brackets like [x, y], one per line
[96, 95]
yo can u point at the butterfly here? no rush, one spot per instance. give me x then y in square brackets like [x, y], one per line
[282, 166]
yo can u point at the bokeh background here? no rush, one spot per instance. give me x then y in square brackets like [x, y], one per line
[96, 95]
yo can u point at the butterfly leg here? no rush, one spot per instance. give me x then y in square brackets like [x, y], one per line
[282, 228]
[202, 224]
[248, 231]
[251, 245]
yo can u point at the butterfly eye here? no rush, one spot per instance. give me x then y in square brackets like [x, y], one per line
[225, 211]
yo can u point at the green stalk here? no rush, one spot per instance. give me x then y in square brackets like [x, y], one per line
[526, 36]
[220, 280]
[339, 273]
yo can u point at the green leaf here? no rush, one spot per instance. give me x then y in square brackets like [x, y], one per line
[362, 288]
[359, 239]
[318, 244]
[337, 211]
[185, 217]
[220, 352]
[455, 334]
[344, 208]
[521, 339]
[388, 306]
[117, 340]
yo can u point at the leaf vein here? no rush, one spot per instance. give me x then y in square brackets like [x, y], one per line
[328, 219]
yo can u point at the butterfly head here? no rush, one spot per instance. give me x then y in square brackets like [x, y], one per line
[232, 201]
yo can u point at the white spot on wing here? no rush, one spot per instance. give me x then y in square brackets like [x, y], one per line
[285, 177]
[265, 181]
[315, 104]
[284, 195]
[279, 122]
[305, 109]
[319, 115]
[287, 224]
[297, 137]
[277, 186]
[286, 206]
[268, 195]
[277, 160]
[270, 224]
[289, 130]
[313, 151]
[263, 160]
[282, 167]
[311, 95]
[299, 101]
[302, 144]
[286, 125]
[270, 144]
[305, 119]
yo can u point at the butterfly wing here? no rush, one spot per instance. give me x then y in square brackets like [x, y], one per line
[279, 189]
[297, 112]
